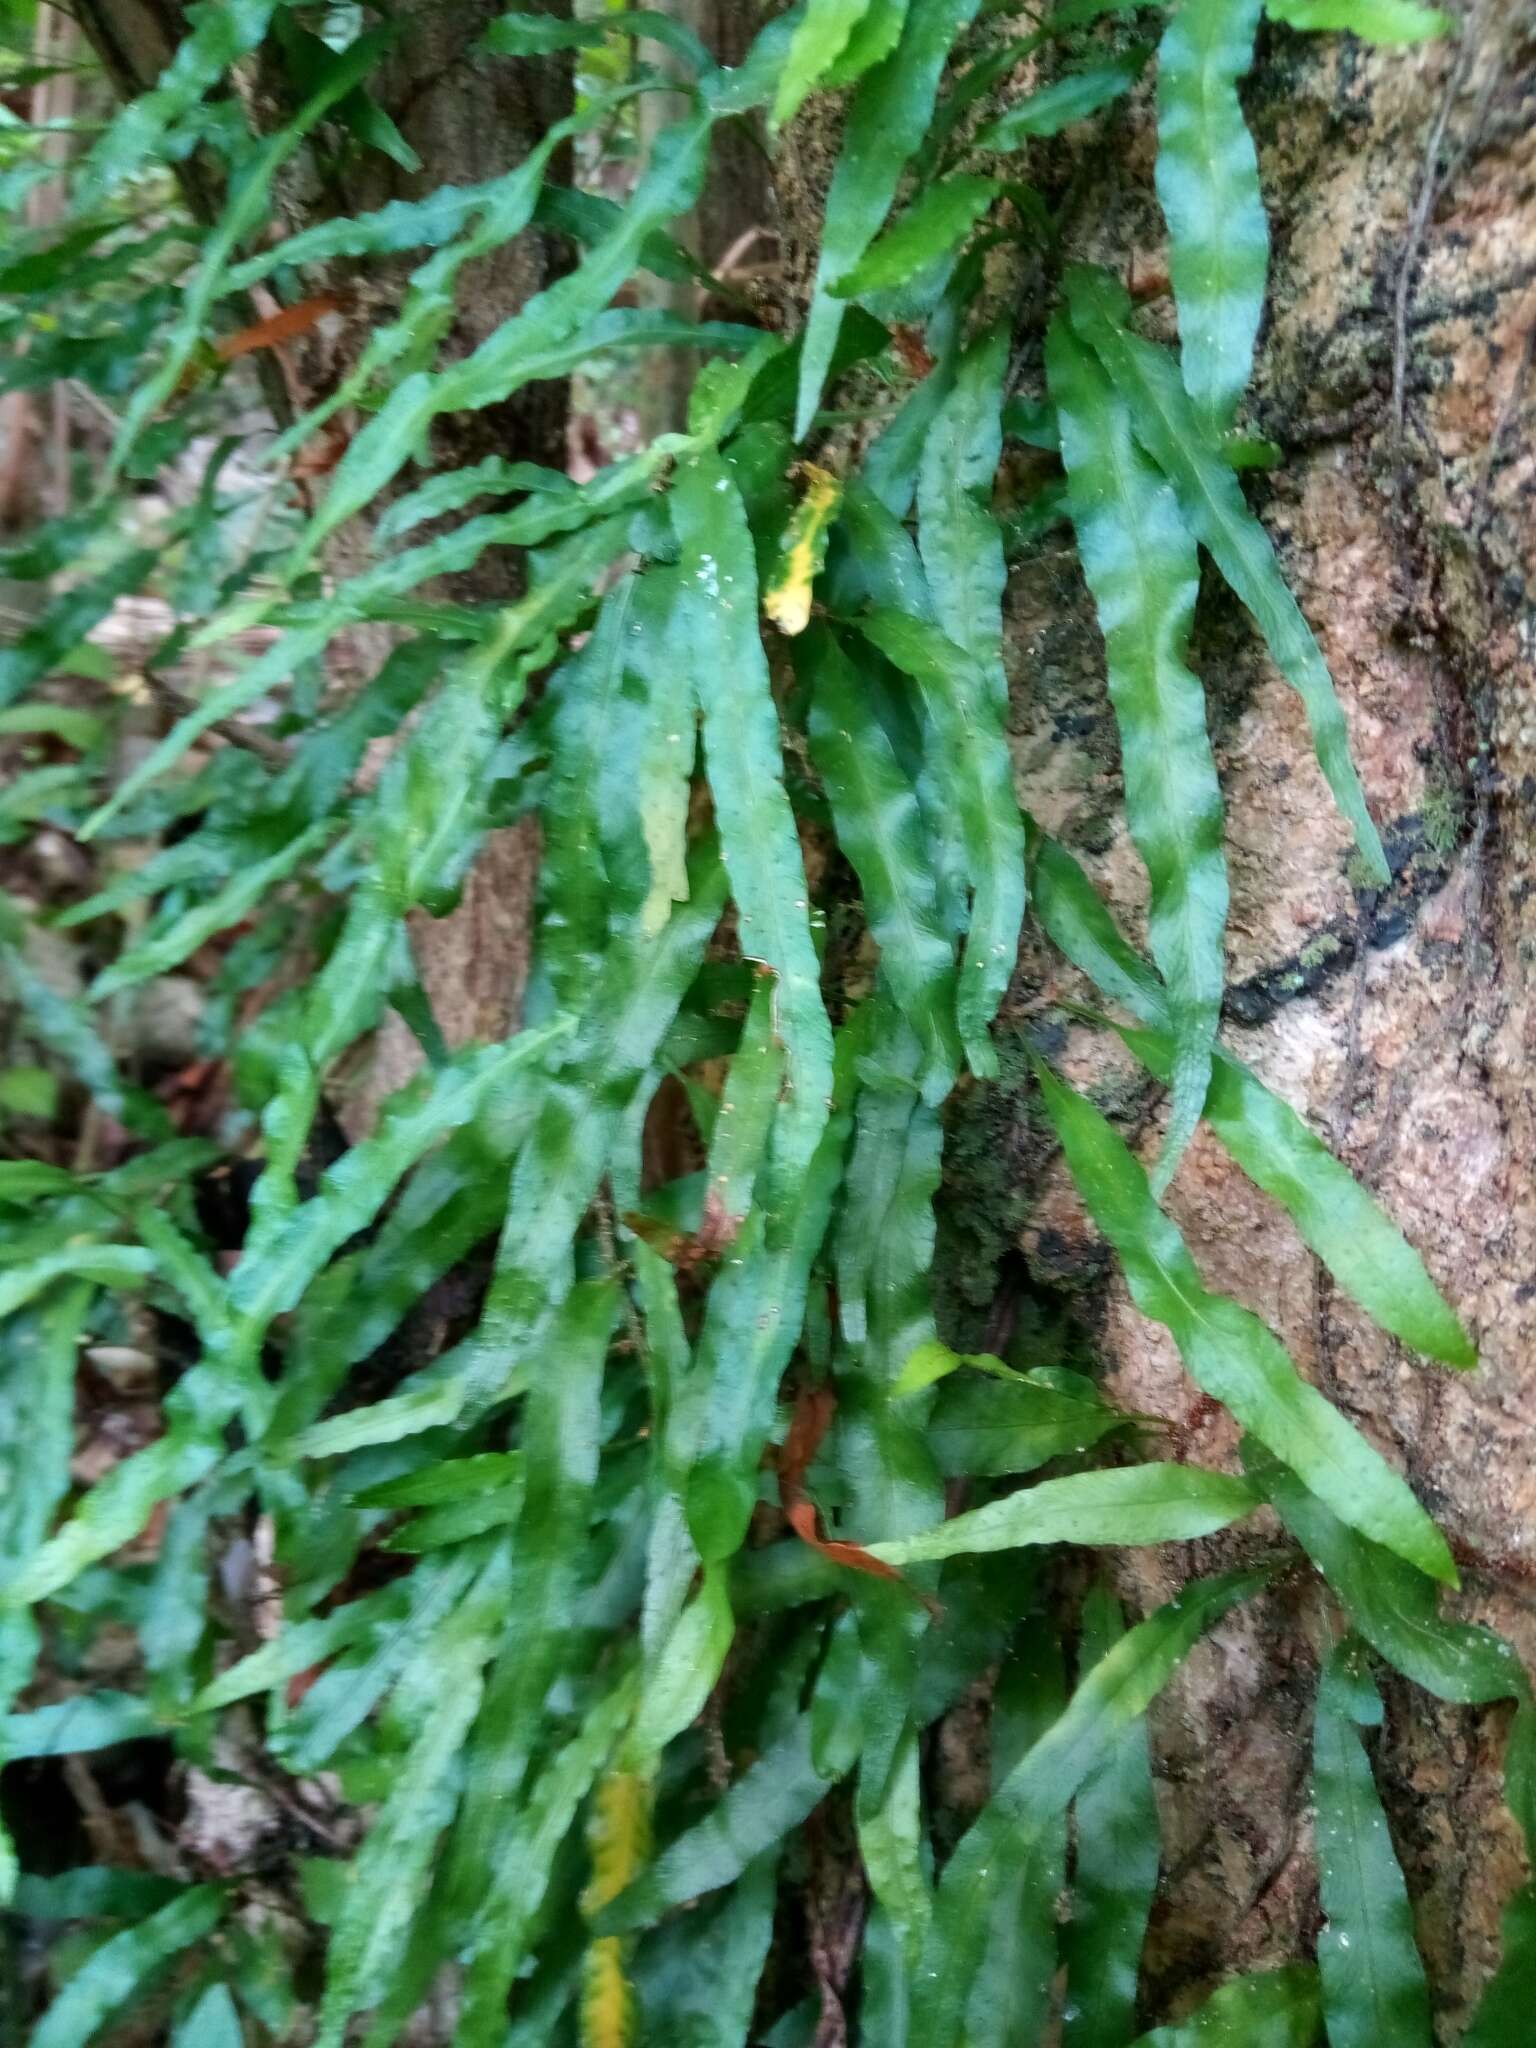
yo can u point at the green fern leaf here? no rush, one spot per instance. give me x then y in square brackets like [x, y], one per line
[1229, 1352]
[1212, 503]
[1208, 183]
[1141, 566]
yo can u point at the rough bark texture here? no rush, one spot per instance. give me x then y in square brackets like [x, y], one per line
[1400, 1022]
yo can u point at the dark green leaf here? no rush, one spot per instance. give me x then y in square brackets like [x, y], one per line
[988, 1428]
[771, 1796]
[1503, 2015]
[1119, 1688]
[1361, 1247]
[820, 38]
[1072, 97]
[1010, 1999]
[1269, 2009]
[92, 1720]
[1392, 1606]
[976, 773]
[120, 1969]
[880, 828]
[745, 764]
[1373, 1980]
[1115, 1873]
[886, 122]
[938, 221]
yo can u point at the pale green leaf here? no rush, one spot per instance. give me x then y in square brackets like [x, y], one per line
[1208, 184]
[1211, 500]
[1229, 1352]
[1160, 1503]
[1141, 566]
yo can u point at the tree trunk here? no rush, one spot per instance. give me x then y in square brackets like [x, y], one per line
[1403, 206]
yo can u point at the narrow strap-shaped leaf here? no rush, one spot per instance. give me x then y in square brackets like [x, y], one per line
[878, 1209]
[244, 891]
[523, 34]
[975, 771]
[109, 1265]
[1158, 1503]
[697, 1978]
[820, 37]
[90, 1720]
[117, 1507]
[1141, 566]
[515, 1886]
[681, 1673]
[213, 2022]
[658, 763]
[960, 541]
[886, 123]
[121, 1968]
[32, 655]
[347, 1690]
[1269, 2009]
[875, 34]
[1212, 502]
[1374, 21]
[1228, 1351]
[745, 1119]
[1115, 1872]
[1503, 2015]
[934, 225]
[558, 1171]
[751, 1325]
[1039, 1787]
[389, 1871]
[744, 758]
[1362, 1248]
[1392, 1606]
[1072, 97]
[987, 1428]
[1208, 183]
[1010, 1997]
[561, 1432]
[769, 1798]
[509, 357]
[1373, 1980]
[249, 202]
[220, 32]
[892, 1838]
[68, 1029]
[880, 829]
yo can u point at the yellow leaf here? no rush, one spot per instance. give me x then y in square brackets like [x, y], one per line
[787, 600]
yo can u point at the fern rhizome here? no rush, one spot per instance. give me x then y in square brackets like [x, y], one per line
[640, 1583]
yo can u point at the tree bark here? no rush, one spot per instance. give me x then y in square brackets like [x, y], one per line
[1403, 209]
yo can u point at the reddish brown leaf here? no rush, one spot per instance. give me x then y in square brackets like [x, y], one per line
[814, 1409]
[802, 1519]
[287, 325]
